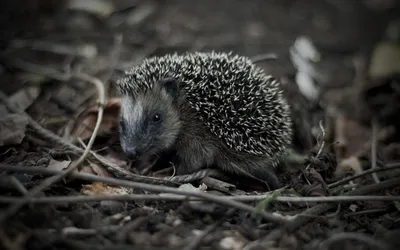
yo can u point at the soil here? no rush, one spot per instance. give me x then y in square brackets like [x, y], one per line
[349, 129]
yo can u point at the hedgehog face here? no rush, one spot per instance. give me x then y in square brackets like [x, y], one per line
[150, 121]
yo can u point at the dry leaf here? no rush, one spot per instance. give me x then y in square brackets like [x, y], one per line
[86, 121]
[99, 188]
[189, 187]
[12, 129]
[58, 165]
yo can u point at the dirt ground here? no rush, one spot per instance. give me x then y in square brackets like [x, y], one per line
[60, 59]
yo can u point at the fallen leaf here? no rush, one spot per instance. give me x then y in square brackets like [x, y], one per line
[58, 165]
[353, 207]
[189, 187]
[100, 188]
[12, 129]
[84, 125]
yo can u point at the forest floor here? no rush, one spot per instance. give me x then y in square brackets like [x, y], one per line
[66, 184]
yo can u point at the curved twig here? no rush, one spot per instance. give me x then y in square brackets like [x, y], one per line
[388, 167]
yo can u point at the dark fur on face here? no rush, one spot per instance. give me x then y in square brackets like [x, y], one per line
[150, 121]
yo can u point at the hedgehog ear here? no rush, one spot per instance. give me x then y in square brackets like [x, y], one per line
[171, 86]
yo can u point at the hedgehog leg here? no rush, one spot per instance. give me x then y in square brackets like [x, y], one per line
[195, 155]
[260, 168]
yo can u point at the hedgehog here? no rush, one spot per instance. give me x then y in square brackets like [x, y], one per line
[210, 110]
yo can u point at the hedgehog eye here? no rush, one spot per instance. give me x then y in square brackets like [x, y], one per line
[156, 118]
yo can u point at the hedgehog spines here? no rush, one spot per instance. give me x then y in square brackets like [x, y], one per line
[236, 100]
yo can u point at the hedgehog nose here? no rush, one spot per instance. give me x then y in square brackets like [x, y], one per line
[132, 153]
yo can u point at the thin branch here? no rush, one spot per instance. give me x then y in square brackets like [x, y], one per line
[81, 50]
[74, 231]
[321, 148]
[314, 211]
[388, 167]
[154, 188]
[322, 145]
[173, 197]
[373, 150]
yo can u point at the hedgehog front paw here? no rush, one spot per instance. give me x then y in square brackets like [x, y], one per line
[184, 169]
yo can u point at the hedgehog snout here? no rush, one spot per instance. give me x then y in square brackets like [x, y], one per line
[130, 147]
[132, 153]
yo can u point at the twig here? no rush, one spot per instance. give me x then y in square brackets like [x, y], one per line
[197, 241]
[82, 50]
[174, 197]
[366, 212]
[37, 69]
[373, 243]
[310, 213]
[194, 176]
[364, 173]
[322, 145]
[50, 181]
[156, 188]
[321, 148]
[218, 184]
[74, 231]
[373, 150]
